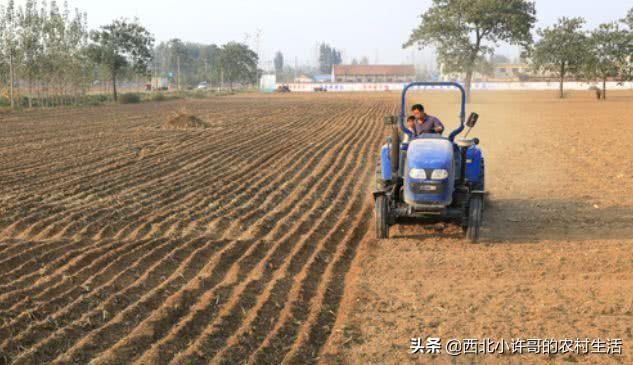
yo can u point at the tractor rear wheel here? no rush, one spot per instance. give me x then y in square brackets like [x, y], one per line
[475, 216]
[395, 151]
[382, 211]
[380, 183]
[482, 187]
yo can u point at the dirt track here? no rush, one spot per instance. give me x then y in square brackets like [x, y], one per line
[122, 241]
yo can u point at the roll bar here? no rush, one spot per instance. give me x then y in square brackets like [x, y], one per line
[462, 115]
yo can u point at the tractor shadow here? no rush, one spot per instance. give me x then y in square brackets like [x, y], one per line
[531, 221]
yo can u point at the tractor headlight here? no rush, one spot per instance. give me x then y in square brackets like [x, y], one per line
[417, 174]
[439, 174]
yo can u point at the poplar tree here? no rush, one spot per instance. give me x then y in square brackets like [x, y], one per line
[9, 49]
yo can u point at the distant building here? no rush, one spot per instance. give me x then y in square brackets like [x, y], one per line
[373, 73]
[303, 79]
[322, 78]
[504, 72]
[268, 83]
[159, 83]
[511, 71]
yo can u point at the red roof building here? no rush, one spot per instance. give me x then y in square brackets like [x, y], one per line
[373, 73]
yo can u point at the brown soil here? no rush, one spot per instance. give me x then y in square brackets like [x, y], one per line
[555, 261]
[128, 244]
[131, 244]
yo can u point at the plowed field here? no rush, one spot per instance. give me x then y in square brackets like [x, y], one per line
[123, 240]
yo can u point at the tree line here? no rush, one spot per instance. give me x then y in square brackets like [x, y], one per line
[601, 54]
[42, 48]
[188, 64]
[328, 58]
[49, 57]
[466, 32]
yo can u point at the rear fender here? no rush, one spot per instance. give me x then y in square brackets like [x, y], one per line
[473, 163]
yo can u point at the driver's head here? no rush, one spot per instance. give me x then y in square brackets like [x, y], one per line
[418, 111]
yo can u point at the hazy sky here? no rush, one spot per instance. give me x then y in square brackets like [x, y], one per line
[372, 28]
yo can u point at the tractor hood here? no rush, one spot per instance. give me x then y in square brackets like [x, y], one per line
[429, 154]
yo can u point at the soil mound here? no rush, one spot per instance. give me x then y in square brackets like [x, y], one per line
[185, 121]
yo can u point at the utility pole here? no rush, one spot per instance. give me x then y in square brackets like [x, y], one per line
[258, 41]
[178, 66]
[221, 79]
[153, 82]
[11, 81]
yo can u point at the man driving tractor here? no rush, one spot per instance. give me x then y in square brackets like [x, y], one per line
[426, 123]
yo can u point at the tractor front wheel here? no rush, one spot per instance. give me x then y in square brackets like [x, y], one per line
[382, 211]
[475, 217]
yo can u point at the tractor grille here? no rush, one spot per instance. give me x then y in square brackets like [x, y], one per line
[428, 188]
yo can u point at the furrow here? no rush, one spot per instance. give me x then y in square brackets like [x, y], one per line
[189, 325]
[171, 260]
[277, 261]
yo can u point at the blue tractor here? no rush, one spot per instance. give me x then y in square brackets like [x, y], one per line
[430, 176]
